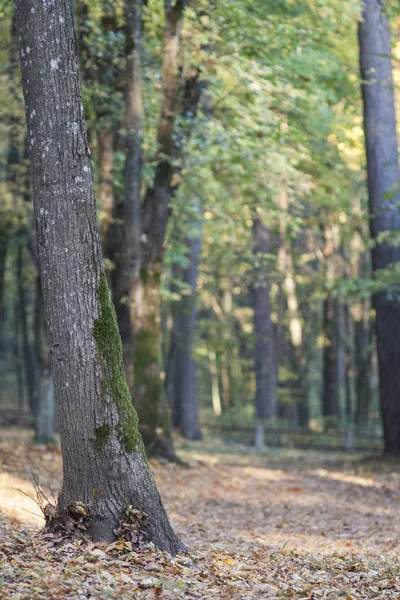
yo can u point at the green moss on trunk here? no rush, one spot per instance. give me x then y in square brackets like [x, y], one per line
[109, 353]
[101, 436]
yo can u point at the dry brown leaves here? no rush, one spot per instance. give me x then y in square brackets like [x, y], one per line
[282, 525]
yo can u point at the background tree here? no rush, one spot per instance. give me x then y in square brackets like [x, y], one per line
[383, 187]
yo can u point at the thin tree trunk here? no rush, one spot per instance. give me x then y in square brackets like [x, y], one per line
[285, 261]
[330, 397]
[106, 173]
[29, 355]
[263, 327]
[104, 464]
[363, 354]
[45, 412]
[4, 237]
[127, 289]
[185, 389]
[350, 366]
[341, 356]
[215, 395]
[19, 375]
[383, 187]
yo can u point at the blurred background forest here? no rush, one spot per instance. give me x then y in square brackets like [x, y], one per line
[266, 278]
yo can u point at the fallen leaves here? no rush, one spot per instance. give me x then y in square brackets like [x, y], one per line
[288, 525]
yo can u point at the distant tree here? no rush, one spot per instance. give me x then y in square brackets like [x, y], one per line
[139, 261]
[184, 384]
[266, 407]
[104, 464]
[383, 187]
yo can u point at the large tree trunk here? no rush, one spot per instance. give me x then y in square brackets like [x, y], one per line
[184, 376]
[383, 183]
[263, 327]
[104, 464]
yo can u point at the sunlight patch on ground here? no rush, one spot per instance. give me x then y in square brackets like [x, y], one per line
[15, 502]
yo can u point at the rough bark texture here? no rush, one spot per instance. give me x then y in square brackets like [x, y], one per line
[104, 464]
[263, 327]
[184, 384]
[383, 188]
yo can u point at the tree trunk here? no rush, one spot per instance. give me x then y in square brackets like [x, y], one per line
[263, 327]
[19, 376]
[45, 412]
[185, 391]
[106, 173]
[362, 336]
[341, 353]
[383, 187]
[4, 237]
[330, 398]
[29, 354]
[104, 464]
[154, 223]
[127, 286]
[215, 395]
[285, 261]
[149, 394]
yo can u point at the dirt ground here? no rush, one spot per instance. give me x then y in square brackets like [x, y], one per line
[282, 524]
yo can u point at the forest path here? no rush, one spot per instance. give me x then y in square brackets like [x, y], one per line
[287, 524]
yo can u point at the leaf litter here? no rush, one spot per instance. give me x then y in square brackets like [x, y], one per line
[278, 525]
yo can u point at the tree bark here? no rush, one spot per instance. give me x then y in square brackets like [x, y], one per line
[330, 397]
[263, 327]
[383, 187]
[184, 384]
[29, 354]
[104, 464]
[362, 335]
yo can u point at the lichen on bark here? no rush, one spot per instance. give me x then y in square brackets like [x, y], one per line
[109, 353]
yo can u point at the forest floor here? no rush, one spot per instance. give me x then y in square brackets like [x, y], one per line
[281, 524]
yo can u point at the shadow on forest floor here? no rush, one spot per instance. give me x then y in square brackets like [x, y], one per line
[277, 524]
